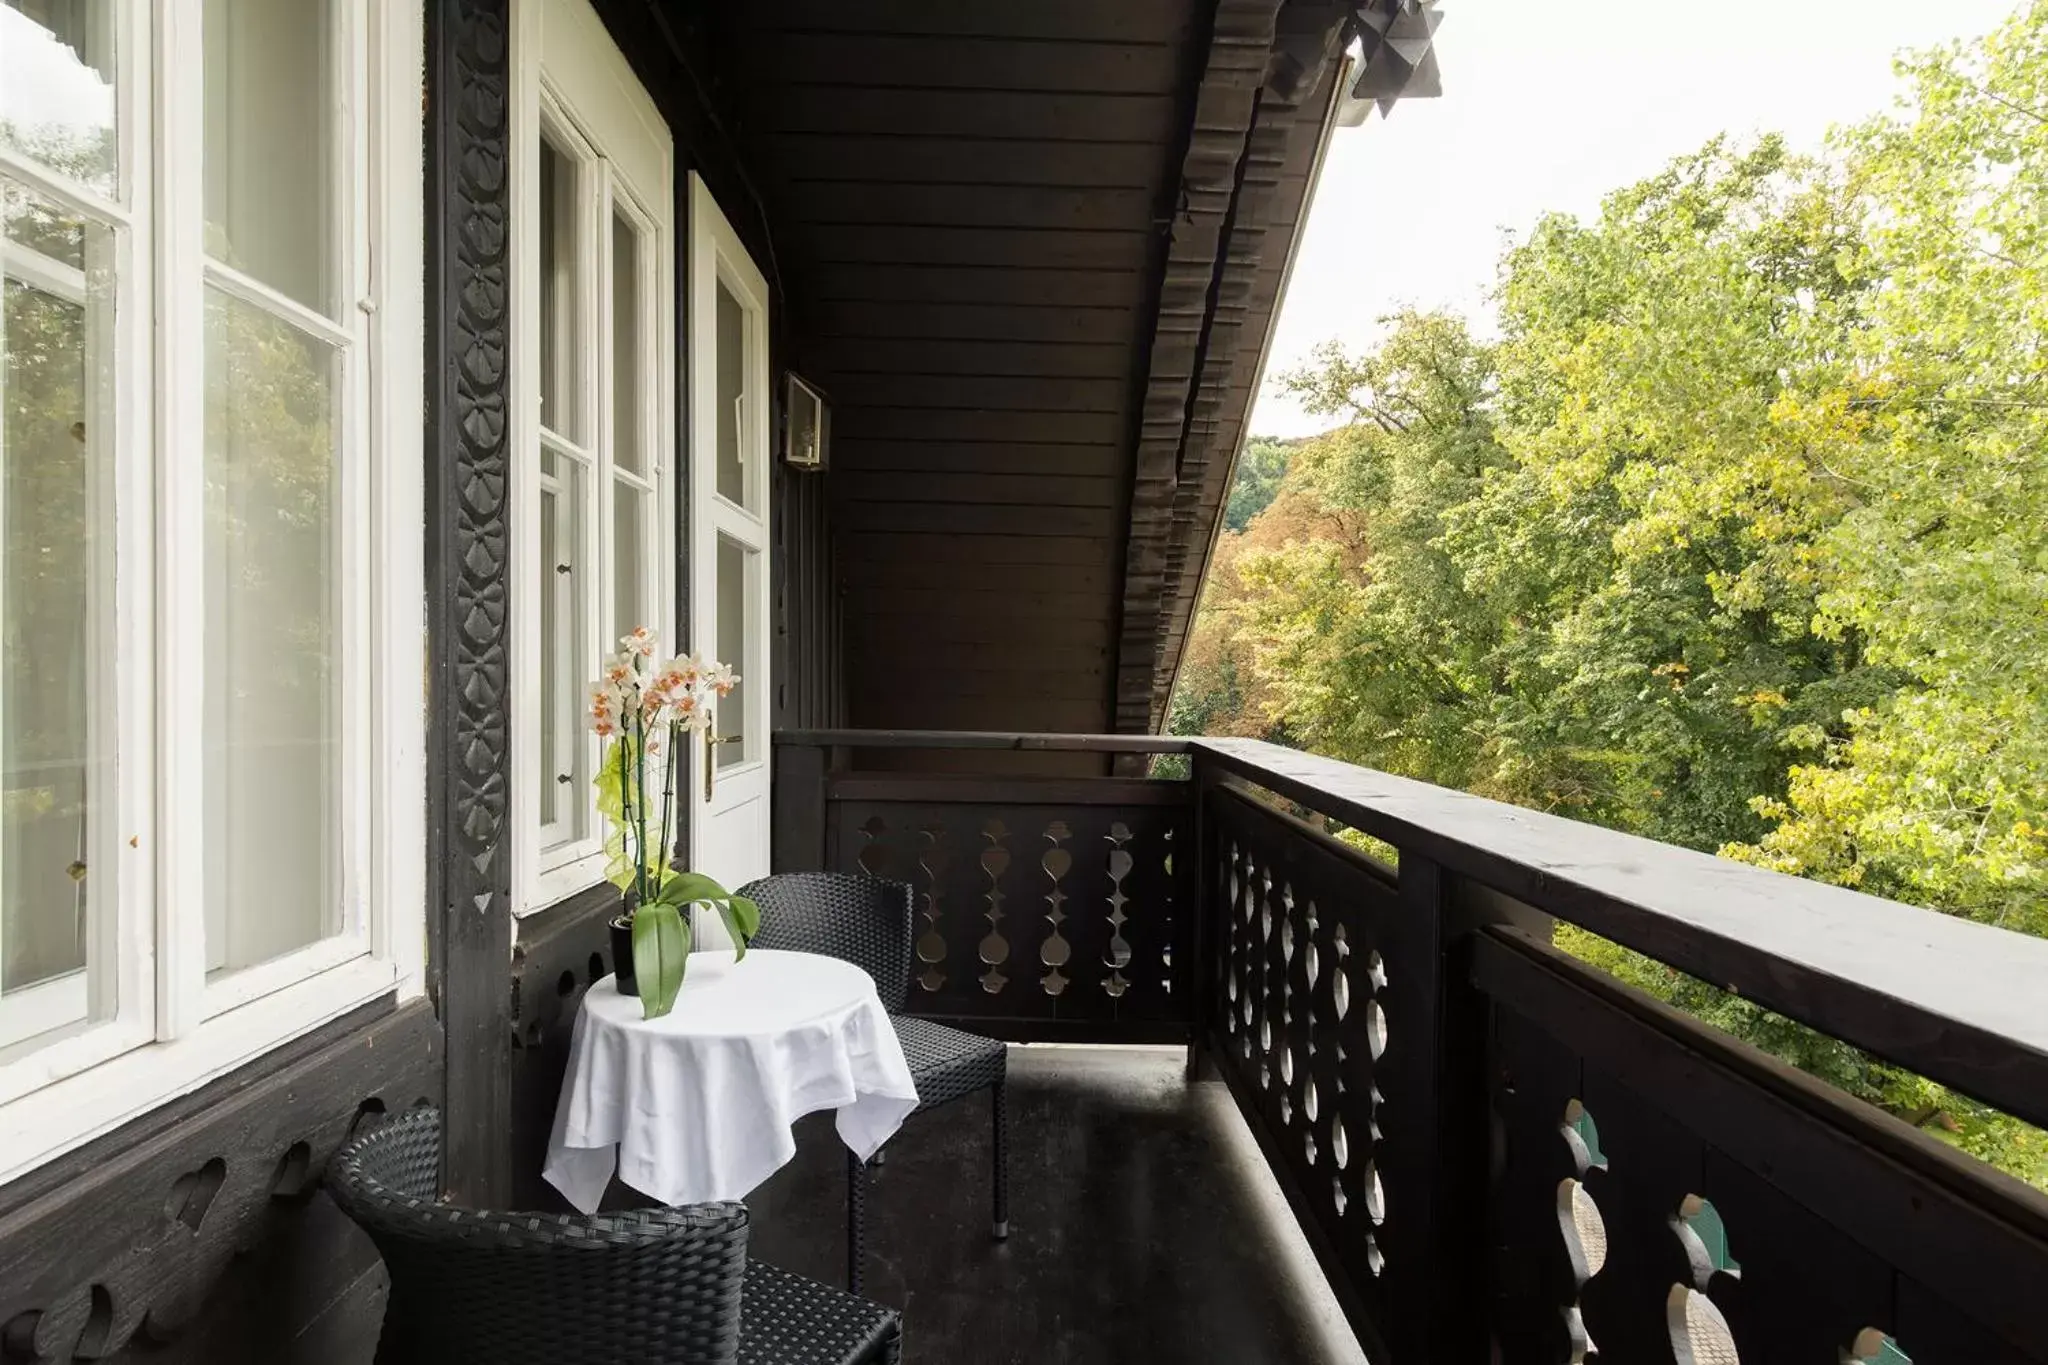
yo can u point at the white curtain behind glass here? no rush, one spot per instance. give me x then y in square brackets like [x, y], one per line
[272, 486]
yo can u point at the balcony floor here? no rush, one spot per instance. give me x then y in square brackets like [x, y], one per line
[1143, 1225]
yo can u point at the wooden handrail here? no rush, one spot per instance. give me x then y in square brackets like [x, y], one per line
[984, 739]
[1961, 1002]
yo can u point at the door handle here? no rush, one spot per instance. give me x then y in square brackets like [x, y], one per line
[711, 743]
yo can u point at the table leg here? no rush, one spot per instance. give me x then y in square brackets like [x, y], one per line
[856, 1219]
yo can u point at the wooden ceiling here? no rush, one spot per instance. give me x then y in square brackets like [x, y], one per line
[1031, 251]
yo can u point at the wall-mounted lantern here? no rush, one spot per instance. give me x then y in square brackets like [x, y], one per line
[807, 433]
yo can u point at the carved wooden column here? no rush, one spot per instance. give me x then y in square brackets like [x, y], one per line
[468, 533]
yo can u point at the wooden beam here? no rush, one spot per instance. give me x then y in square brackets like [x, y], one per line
[468, 554]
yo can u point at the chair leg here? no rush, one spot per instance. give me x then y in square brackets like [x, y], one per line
[1002, 1171]
[856, 1219]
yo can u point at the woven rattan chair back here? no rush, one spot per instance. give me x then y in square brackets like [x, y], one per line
[650, 1286]
[862, 920]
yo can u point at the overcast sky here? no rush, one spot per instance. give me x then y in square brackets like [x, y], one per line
[1549, 107]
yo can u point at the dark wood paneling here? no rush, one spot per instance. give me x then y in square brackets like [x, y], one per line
[1010, 601]
[1064, 359]
[1030, 427]
[1004, 285]
[1014, 519]
[1013, 490]
[934, 634]
[915, 204]
[1056, 701]
[1061, 20]
[991, 393]
[897, 580]
[970, 210]
[992, 659]
[936, 158]
[561, 953]
[972, 457]
[468, 558]
[160, 1231]
[1005, 114]
[978, 63]
[1105, 249]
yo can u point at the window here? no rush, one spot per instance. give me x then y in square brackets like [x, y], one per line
[592, 325]
[210, 779]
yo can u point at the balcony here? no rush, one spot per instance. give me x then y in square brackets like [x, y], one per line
[1486, 1147]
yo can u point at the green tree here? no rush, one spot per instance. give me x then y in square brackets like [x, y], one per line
[1737, 537]
[1260, 467]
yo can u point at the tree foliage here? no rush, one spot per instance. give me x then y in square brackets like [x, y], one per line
[1260, 467]
[1736, 536]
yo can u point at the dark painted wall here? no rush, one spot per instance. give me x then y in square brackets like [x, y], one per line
[199, 1232]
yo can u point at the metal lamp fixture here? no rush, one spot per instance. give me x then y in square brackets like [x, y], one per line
[807, 427]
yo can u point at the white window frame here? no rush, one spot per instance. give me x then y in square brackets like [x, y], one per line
[168, 1030]
[637, 185]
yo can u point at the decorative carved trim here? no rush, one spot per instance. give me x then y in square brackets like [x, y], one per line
[469, 533]
[134, 1249]
[1259, 107]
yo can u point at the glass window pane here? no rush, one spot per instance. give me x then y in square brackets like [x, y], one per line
[735, 600]
[57, 87]
[561, 358]
[562, 753]
[733, 438]
[630, 562]
[272, 144]
[273, 635]
[628, 440]
[56, 611]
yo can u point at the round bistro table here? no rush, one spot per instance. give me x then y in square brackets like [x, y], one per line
[696, 1106]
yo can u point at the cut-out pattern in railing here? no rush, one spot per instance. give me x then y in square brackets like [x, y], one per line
[1305, 1024]
[1119, 955]
[995, 949]
[1708, 1220]
[1055, 951]
[1579, 1221]
[931, 944]
[1035, 911]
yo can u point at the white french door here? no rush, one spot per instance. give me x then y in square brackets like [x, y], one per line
[593, 337]
[730, 487]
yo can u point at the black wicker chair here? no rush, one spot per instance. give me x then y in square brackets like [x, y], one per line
[650, 1286]
[867, 922]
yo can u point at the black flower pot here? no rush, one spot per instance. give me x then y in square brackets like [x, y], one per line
[622, 955]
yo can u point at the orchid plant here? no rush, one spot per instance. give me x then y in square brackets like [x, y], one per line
[642, 708]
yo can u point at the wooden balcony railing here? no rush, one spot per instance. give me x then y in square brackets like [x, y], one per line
[1496, 1151]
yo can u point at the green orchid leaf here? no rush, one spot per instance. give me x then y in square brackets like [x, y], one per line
[687, 888]
[749, 916]
[661, 950]
[742, 920]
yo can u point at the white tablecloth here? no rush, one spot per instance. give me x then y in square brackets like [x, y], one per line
[697, 1105]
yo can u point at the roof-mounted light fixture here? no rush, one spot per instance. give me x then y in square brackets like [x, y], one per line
[1396, 57]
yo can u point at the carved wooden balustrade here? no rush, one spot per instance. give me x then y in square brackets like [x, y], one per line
[1495, 1150]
